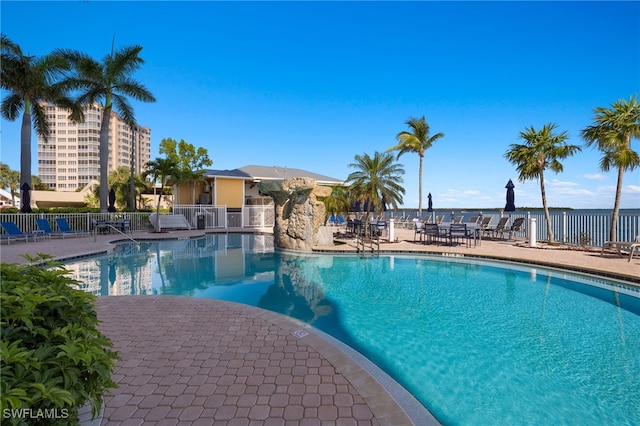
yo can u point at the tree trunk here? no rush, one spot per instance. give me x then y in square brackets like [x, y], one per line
[420, 188]
[158, 205]
[616, 207]
[104, 159]
[25, 149]
[546, 209]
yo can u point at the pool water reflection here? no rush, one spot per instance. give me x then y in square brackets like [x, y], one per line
[476, 342]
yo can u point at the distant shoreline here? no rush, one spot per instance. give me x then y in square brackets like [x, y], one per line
[519, 209]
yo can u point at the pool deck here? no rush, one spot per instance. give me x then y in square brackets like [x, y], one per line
[198, 361]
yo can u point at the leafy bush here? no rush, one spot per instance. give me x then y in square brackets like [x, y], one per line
[53, 359]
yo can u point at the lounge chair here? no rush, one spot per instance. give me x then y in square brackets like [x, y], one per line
[45, 228]
[63, 226]
[516, 227]
[474, 219]
[619, 246]
[499, 228]
[15, 233]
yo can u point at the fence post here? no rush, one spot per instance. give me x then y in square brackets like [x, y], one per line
[564, 227]
[532, 235]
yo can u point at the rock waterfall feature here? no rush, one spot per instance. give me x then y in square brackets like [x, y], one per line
[299, 213]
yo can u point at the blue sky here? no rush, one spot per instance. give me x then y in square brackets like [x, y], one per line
[311, 84]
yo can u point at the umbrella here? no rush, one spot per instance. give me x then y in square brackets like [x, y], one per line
[112, 201]
[25, 198]
[511, 197]
[430, 205]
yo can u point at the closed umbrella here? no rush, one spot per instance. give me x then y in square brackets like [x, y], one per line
[511, 197]
[430, 207]
[25, 198]
[112, 201]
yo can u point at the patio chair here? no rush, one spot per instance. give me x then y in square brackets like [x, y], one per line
[458, 232]
[439, 219]
[486, 222]
[431, 233]
[418, 229]
[619, 246]
[473, 219]
[516, 227]
[500, 227]
[45, 228]
[16, 234]
[458, 219]
[63, 226]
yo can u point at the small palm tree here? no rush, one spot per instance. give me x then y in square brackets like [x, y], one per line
[611, 132]
[542, 150]
[110, 83]
[339, 201]
[417, 141]
[377, 181]
[160, 169]
[31, 81]
[9, 179]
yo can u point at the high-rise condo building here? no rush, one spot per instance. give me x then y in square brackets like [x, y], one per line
[70, 159]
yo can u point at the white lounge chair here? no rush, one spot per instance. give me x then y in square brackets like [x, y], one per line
[621, 246]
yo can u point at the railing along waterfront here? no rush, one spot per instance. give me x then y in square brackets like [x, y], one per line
[591, 229]
[576, 228]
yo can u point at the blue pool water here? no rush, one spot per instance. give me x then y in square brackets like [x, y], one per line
[476, 342]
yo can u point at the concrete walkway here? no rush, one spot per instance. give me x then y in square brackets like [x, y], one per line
[199, 361]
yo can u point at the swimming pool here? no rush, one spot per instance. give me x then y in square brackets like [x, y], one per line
[475, 342]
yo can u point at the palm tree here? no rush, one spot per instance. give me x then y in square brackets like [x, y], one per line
[542, 150]
[120, 180]
[31, 81]
[611, 132]
[377, 181]
[190, 161]
[418, 141]
[108, 82]
[9, 179]
[160, 169]
[339, 201]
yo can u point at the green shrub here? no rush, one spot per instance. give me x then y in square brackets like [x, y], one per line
[53, 359]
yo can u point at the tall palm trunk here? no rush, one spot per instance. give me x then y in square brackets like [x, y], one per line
[158, 205]
[546, 209]
[104, 158]
[616, 207]
[25, 150]
[420, 186]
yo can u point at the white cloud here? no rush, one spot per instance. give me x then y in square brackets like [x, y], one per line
[562, 183]
[633, 189]
[594, 176]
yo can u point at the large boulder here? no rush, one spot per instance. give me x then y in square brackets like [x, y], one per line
[299, 212]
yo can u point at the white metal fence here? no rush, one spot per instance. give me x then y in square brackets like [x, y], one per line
[77, 221]
[261, 216]
[590, 229]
